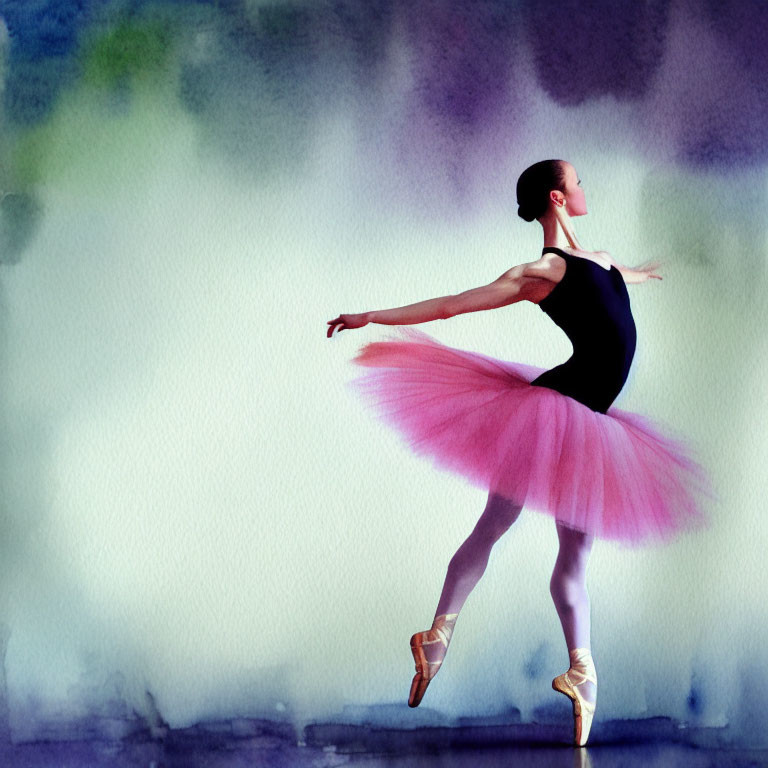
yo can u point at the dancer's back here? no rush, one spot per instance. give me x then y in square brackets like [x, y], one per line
[591, 304]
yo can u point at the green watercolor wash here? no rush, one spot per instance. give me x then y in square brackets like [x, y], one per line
[684, 224]
[31, 156]
[85, 135]
[91, 148]
[131, 50]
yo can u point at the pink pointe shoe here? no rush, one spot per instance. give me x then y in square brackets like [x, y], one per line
[582, 670]
[440, 634]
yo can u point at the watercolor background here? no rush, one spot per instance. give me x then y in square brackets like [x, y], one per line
[192, 503]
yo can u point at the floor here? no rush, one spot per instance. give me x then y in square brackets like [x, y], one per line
[260, 743]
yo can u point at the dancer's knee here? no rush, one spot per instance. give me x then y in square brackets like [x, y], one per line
[498, 517]
[573, 542]
[567, 593]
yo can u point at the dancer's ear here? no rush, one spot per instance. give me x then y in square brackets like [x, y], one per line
[557, 198]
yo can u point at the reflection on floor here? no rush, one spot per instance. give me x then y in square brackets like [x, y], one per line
[651, 743]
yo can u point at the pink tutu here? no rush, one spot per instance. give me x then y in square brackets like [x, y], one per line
[612, 475]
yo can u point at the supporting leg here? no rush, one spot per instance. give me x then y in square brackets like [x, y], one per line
[569, 593]
[568, 586]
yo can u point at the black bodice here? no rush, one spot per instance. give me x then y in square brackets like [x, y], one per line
[591, 305]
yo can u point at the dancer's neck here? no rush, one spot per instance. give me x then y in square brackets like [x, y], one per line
[558, 230]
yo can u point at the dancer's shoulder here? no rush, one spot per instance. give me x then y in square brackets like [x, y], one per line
[549, 267]
[536, 278]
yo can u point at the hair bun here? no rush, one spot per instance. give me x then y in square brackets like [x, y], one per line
[524, 214]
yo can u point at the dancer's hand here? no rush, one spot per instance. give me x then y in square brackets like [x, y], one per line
[649, 269]
[343, 322]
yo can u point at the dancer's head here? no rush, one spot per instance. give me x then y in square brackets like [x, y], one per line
[546, 185]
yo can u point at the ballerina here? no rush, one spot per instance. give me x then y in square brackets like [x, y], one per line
[548, 439]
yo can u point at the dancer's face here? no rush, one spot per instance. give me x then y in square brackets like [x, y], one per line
[575, 202]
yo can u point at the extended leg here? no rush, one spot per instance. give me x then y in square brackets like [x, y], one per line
[464, 572]
[468, 564]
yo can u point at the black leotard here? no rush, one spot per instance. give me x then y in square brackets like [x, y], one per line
[591, 305]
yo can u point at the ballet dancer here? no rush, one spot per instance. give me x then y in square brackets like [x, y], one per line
[546, 439]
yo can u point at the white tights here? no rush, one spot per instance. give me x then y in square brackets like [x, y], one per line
[567, 585]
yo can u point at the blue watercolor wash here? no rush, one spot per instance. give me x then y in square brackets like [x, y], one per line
[42, 29]
[694, 701]
[536, 663]
[20, 215]
[43, 36]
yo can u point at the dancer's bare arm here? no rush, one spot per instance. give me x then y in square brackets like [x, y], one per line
[637, 274]
[523, 282]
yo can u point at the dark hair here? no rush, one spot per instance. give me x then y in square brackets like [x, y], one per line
[535, 184]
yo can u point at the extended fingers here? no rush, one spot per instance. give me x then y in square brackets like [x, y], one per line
[334, 325]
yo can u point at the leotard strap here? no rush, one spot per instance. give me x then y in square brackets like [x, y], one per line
[554, 249]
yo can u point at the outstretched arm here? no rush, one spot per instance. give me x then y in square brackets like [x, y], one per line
[636, 274]
[421, 312]
[506, 289]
